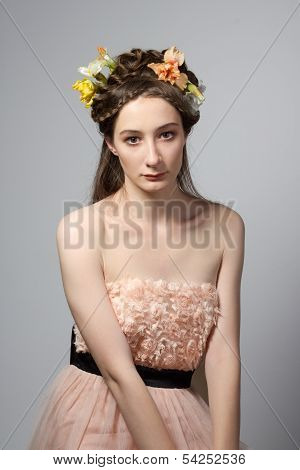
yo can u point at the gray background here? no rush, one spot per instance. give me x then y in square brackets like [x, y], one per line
[245, 153]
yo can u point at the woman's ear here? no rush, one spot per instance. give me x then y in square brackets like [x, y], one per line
[110, 145]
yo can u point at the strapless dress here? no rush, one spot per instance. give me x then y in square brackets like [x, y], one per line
[167, 325]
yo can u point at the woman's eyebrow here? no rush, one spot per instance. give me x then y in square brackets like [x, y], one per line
[158, 128]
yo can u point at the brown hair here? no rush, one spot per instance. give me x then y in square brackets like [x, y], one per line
[130, 79]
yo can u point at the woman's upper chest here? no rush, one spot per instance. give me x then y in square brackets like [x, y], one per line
[153, 248]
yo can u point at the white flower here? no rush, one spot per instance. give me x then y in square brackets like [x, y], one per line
[194, 101]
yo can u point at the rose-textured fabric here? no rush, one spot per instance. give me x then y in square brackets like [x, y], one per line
[167, 325]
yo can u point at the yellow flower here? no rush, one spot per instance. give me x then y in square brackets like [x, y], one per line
[95, 77]
[87, 90]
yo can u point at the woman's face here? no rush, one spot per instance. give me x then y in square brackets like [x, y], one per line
[149, 139]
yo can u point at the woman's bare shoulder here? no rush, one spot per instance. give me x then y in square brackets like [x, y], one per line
[224, 212]
[228, 223]
[83, 225]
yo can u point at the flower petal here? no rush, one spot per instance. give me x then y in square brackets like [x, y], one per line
[174, 55]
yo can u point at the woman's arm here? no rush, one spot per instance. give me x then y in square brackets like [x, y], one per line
[222, 362]
[84, 286]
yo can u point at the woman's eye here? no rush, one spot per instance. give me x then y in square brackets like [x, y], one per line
[135, 137]
[168, 132]
[131, 138]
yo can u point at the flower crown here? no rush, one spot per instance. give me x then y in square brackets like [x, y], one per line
[167, 71]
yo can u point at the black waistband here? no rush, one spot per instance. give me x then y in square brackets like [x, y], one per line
[164, 378]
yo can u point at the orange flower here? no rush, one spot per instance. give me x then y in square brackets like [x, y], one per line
[102, 51]
[168, 70]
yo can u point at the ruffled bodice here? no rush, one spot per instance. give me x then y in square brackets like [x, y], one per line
[167, 324]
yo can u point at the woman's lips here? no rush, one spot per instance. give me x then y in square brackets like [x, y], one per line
[158, 175]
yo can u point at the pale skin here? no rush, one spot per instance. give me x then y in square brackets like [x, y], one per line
[220, 261]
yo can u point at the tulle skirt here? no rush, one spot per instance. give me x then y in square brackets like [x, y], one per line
[78, 411]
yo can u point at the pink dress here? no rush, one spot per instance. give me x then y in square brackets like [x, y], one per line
[167, 325]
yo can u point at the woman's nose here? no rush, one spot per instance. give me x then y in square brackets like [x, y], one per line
[153, 156]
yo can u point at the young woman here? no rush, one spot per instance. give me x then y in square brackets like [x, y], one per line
[151, 271]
